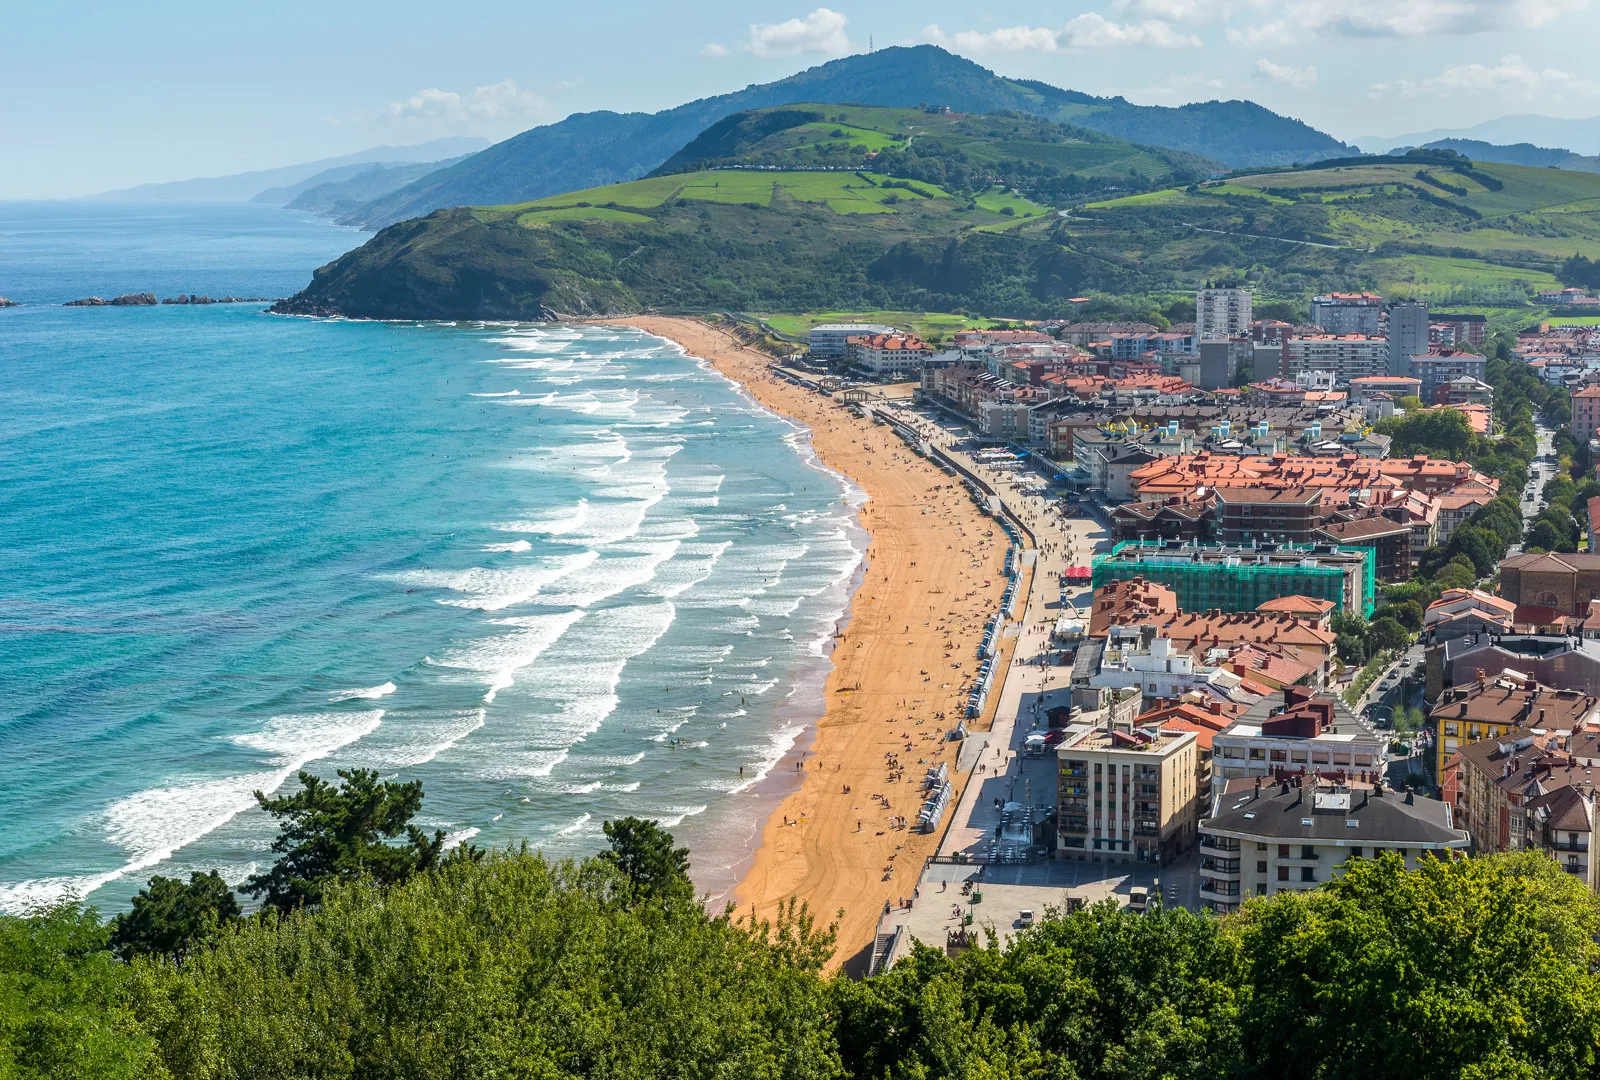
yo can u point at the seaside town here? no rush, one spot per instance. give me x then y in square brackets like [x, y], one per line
[1277, 596]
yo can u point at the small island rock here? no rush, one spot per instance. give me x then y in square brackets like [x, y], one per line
[142, 299]
[8, 303]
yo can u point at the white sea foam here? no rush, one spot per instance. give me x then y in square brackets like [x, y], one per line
[502, 656]
[494, 590]
[152, 824]
[514, 545]
[371, 693]
[460, 836]
[504, 393]
[583, 819]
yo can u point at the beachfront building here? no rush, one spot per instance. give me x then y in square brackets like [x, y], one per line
[887, 354]
[1126, 793]
[1134, 656]
[829, 340]
[1300, 828]
[1222, 313]
[1348, 313]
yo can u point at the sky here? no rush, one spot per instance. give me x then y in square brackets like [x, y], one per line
[99, 95]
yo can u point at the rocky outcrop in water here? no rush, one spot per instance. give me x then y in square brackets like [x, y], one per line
[88, 301]
[191, 298]
[145, 299]
[141, 299]
[8, 303]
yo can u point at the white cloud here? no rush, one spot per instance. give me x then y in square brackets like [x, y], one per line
[1510, 79]
[822, 31]
[1291, 21]
[502, 101]
[1288, 76]
[1088, 31]
[1094, 31]
[1181, 88]
[711, 48]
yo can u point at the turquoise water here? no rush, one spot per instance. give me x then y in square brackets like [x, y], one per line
[558, 575]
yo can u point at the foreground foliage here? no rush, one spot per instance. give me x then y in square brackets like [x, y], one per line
[511, 966]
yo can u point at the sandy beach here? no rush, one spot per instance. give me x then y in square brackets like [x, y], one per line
[934, 574]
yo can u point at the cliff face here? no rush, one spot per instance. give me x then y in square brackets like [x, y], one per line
[454, 264]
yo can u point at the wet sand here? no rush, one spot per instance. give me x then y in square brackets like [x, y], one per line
[901, 667]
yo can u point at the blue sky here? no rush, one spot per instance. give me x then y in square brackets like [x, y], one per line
[106, 95]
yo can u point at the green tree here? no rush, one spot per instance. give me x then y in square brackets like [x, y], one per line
[1388, 634]
[1408, 613]
[1458, 573]
[170, 917]
[329, 833]
[62, 1001]
[1481, 546]
[643, 851]
[1478, 968]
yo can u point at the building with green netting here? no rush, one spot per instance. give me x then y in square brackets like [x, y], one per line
[1232, 577]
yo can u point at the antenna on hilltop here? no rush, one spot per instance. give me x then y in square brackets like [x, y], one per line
[869, 44]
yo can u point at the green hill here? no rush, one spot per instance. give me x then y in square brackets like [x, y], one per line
[591, 149]
[957, 148]
[1003, 215]
[788, 209]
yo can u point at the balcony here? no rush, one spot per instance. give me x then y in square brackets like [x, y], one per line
[1570, 845]
[1220, 869]
[1303, 858]
[1576, 868]
[1228, 891]
[1218, 843]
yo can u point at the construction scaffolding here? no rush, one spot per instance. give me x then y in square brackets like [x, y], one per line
[1232, 578]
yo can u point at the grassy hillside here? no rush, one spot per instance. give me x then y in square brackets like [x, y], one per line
[958, 148]
[965, 214]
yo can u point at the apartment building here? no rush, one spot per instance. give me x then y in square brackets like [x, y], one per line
[1586, 414]
[1295, 730]
[1348, 313]
[1222, 313]
[830, 339]
[1435, 367]
[1408, 334]
[1492, 709]
[1533, 790]
[1248, 514]
[1126, 793]
[1300, 829]
[1347, 356]
[887, 354]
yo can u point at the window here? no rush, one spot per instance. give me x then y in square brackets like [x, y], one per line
[1308, 873]
[1283, 851]
[1283, 873]
[1355, 853]
[1261, 866]
[1261, 846]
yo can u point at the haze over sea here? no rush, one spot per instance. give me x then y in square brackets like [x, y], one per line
[558, 575]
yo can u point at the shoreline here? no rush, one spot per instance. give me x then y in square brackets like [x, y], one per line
[933, 563]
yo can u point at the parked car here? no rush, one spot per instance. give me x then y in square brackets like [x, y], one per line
[1138, 901]
[1025, 918]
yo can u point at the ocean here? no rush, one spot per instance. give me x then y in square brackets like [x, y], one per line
[557, 574]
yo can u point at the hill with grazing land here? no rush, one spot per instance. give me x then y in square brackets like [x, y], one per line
[829, 208]
[776, 212]
[593, 149]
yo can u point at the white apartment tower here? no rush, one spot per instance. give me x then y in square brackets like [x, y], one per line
[1222, 313]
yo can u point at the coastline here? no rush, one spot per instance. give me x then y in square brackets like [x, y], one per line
[934, 566]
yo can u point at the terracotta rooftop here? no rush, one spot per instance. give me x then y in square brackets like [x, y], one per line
[1118, 602]
[1314, 606]
[1501, 703]
[1182, 473]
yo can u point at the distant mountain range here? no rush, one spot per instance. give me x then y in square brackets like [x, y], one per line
[593, 149]
[1578, 136]
[243, 187]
